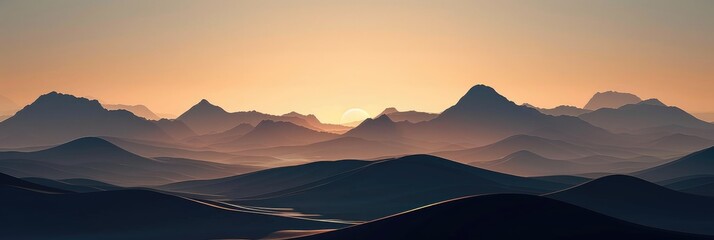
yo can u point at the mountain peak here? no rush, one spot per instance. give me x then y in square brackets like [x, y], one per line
[611, 99]
[653, 101]
[204, 107]
[388, 110]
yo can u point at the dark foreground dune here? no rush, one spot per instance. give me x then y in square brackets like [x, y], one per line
[130, 214]
[500, 216]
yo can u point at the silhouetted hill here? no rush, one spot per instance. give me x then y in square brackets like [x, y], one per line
[562, 110]
[267, 181]
[222, 137]
[395, 185]
[55, 118]
[638, 116]
[681, 142]
[642, 202]
[317, 124]
[409, 116]
[698, 163]
[7, 181]
[206, 118]
[483, 116]
[175, 128]
[132, 214]
[95, 158]
[611, 99]
[154, 149]
[696, 184]
[526, 163]
[270, 134]
[653, 101]
[138, 110]
[381, 128]
[554, 149]
[499, 216]
[340, 148]
[71, 187]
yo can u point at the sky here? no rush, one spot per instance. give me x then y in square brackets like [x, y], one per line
[325, 57]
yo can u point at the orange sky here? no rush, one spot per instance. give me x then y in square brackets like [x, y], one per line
[325, 57]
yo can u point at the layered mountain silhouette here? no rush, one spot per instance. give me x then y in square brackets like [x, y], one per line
[680, 142]
[380, 128]
[611, 99]
[553, 149]
[394, 185]
[340, 148]
[30, 212]
[55, 118]
[562, 110]
[270, 134]
[499, 216]
[98, 159]
[483, 116]
[222, 137]
[76, 185]
[317, 124]
[642, 202]
[697, 163]
[267, 181]
[643, 115]
[175, 128]
[409, 116]
[138, 110]
[206, 118]
[525, 163]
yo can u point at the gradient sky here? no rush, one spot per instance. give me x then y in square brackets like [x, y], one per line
[325, 57]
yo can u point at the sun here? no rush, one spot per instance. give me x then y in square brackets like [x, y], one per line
[354, 115]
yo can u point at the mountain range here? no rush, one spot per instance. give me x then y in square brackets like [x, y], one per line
[611, 99]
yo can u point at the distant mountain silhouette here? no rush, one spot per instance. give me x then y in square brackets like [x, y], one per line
[55, 118]
[138, 110]
[525, 163]
[697, 163]
[96, 158]
[206, 118]
[267, 181]
[222, 137]
[642, 202]
[130, 214]
[340, 148]
[271, 134]
[680, 142]
[645, 115]
[175, 128]
[395, 185]
[562, 110]
[381, 128]
[156, 149]
[611, 99]
[653, 101]
[483, 116]
[554, 149]
[317, 124]
[499, 216]
[409, 116]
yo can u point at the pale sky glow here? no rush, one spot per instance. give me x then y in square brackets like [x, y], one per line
[325, 57]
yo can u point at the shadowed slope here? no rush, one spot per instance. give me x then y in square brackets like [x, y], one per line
[130, 214]
[267, 181]
[394, 185]
[698, 163]
[642, 202]
[500, 216]
[96, 158]
[643, 115]
[270, 134]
